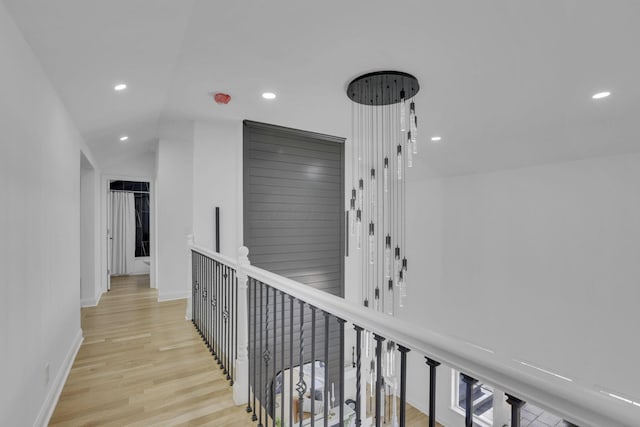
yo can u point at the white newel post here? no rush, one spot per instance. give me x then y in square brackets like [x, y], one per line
[190, 243]
[241, 384]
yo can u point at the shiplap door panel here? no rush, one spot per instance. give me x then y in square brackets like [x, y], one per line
[294, 204]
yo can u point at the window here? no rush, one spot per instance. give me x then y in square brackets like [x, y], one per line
[141, 197]
[482, 396]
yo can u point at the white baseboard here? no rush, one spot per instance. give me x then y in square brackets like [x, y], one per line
[170, 296]
[51, 400]
[91, 302]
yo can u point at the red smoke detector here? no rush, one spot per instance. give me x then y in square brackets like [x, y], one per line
[222, 98]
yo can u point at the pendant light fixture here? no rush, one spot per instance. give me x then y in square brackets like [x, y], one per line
[384, 143]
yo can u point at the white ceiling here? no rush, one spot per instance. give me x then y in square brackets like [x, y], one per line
[506, 83]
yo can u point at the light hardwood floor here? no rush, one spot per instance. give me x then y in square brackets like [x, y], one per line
[142, 364]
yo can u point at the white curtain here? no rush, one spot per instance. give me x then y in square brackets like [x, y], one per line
[123, 230]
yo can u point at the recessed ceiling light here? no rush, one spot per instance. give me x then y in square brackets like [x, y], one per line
[124, 138]
[269, 95]
[601, 95]
[436, 138]
[119, 87]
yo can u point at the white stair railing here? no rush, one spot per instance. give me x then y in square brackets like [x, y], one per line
[578, 404]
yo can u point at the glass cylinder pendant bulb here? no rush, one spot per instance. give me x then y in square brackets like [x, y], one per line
[385, 360]
[399, 162]
[390, 296]
[359, 228]
[387, 257]
[366, 344]
[372, 247]
[403, 113]
[354, 194]
[409, 150]
[411, 121]
[360, 193]
[415, 127]
[413, 143]
[385, 172]
[373, 192]
[403, 288]
[372, 378]
[352, 218]
[397, 266]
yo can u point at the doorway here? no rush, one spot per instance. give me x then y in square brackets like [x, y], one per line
[129, 228]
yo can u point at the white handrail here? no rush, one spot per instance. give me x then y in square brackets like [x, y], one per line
[575, 402]
[230, 262]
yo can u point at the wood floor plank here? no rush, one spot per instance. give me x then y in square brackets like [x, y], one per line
[142, 364]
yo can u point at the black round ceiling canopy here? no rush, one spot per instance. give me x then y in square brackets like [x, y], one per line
[382, 87]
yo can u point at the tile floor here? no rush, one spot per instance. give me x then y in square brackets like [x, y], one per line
[532, 416]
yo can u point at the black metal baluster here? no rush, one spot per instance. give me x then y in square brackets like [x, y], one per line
[234, 325]
[358, 374]
[221, 308]
[432, 390]
[250, 348]
[290, 361]
[301, 386]
[266, 355]
[218, 316]
[468, 407]
[272, 389]
[193, 287]
[196, 300]
[255, 348]
[516, 405]
[214, 309]
[282, 397]
[225, 323]
[403, 385]
[205, 294]
[379, 341]
[228, 320]
[341, 386]
[230, 325]
[260, 382]
[202, 290]
[325, 397]
[313, 365]
[208, 321]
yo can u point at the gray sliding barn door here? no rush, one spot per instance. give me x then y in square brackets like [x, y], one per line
[294, 204]
[294, 226]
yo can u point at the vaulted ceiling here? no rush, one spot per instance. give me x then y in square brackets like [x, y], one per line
[506, 84]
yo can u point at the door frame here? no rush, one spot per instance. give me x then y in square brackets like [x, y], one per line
[105, 227]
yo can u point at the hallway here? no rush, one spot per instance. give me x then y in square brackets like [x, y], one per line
[142, 364]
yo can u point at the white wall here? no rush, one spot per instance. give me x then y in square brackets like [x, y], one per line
[138, 165]
[174, 207]
[217, 181]
[546, 259]
[40, 234]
